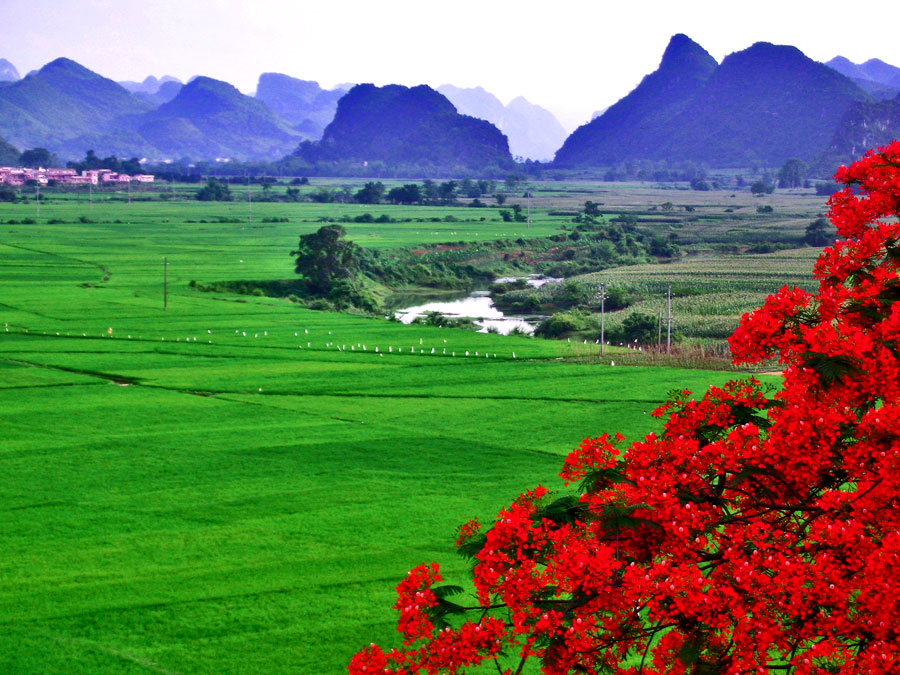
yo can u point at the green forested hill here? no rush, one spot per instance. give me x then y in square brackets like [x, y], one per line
[403, 125]
[8, 154]
[763, 104]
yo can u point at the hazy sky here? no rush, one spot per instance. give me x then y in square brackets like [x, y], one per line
[571, 57]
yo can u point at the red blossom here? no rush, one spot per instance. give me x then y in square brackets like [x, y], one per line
[754, 533]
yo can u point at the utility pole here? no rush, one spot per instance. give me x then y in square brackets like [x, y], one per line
[659, 331]
[669, 321]
[602, 319]
[129, 193]
[528, 202]
[37, 197]
[165, 284]
[249, 203]
[91, 196]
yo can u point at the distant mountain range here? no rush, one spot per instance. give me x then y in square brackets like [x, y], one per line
[764, 104]
[8, 72]
[302, 103]
[760, 106]
[414, 126]
[211, 118]
[880, 79]
[533, 132]
[68, 109]
[65, 108]
[155, 91]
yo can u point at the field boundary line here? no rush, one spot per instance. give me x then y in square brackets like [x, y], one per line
[119, 653]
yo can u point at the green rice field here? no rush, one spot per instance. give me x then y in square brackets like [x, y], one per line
[236, 484]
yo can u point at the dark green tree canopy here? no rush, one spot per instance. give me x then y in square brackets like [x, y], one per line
[214, 191]
[371, 193]
[410, 193]
[38, 157]
[819, 233]
[325, 258]
[792, 174]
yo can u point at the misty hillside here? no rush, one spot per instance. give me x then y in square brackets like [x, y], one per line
[8, 72]
[9, 155]
[61, 102]
[865, 125]
[211, 118]
[301, 103]
[533, 132]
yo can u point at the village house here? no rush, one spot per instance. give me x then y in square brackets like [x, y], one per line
[16, 176]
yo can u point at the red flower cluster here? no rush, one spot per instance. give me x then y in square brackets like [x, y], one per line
[759, 532]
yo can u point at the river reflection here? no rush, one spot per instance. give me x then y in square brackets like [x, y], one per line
[478, 306]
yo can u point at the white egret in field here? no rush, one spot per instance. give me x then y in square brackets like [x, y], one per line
[514, 355]
[306, 330]
[467, 353]
[432, 350]
[612, 363]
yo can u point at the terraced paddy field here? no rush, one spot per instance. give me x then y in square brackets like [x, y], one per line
[236, 484]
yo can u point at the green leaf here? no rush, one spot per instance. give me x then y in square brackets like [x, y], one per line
[445, 590]
[832, 368]
[596, 480]
[617, 517]
[473, 547]
[564, 511]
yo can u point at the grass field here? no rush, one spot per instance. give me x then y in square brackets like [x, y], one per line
[237, 484]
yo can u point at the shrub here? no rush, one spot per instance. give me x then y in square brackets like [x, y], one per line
[562, 323]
